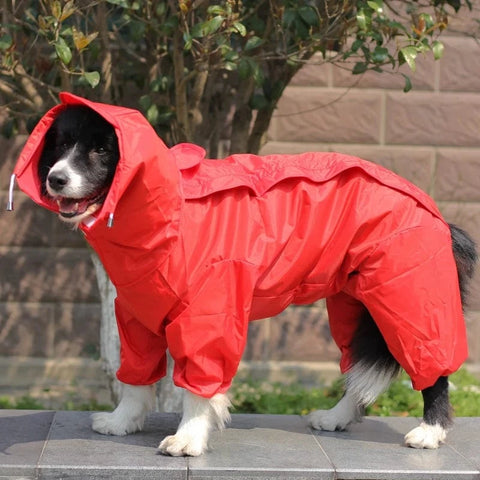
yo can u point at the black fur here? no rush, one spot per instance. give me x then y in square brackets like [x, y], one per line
[370, 348]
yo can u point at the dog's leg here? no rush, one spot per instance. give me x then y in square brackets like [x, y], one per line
[436, 417]
[364, 383]
[130, 413]
[373, 370]
[200, 415]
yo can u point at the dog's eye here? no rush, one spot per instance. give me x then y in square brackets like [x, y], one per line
[62, 146]
[101, 150]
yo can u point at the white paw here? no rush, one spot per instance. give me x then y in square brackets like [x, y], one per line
[327, 420]
[182, 444]
[114, 423]
[425, 436]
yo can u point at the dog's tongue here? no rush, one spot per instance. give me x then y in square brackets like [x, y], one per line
[69, 207]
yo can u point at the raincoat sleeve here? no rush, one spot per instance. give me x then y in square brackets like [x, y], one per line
[142, 352]
[208, 338]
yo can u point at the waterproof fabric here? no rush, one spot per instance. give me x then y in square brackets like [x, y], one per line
[199, 247]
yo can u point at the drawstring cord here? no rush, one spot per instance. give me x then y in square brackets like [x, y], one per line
[10, 193]
[10, 201]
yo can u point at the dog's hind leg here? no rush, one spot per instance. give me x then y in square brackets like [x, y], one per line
[436, 417]
[373, 370]
[129, 416]
[200, 415]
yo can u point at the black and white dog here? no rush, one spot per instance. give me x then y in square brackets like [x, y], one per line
[76, 169]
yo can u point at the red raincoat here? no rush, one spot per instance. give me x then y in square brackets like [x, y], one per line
[200, 247]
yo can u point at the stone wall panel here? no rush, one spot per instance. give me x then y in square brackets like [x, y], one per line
[306, 114]
[422, 118]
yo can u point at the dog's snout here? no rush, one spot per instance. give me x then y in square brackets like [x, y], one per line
[57, 180]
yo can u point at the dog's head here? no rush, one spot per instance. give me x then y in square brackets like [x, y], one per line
[78, 162]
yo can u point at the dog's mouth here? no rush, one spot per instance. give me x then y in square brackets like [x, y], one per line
[71, 208]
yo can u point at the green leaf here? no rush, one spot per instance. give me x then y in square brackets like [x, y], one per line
[356, 45]
[240, 28]
[408, 83]
[253, 42]
[63, 51]
[93, 78]
[120, 3]
[6, 42]
[359, 68]
[204, 29]
[380, 55]
[301, 29]
[214, 24]
[145, 102]
[408, 54]
[152, 114]
[437, 49]
[188, 39]
[216, 10]
[362, 20]
[289, 16]
[309, 15]
[245, 68]
[376, 5]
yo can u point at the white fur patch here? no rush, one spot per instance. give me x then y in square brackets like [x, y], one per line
[200, 415]
[363, 385]
[337, 418]
[76, 182]
[426, 436]
[129, 416]
[366, 383]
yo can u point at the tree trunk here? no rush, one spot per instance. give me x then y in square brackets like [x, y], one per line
[169, 397]
[109, 339]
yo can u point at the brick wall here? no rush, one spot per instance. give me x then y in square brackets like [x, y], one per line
[49, 304]
[49, 301]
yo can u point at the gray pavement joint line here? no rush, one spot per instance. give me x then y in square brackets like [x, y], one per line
[475, 468]
[315, 437]
[45, 443]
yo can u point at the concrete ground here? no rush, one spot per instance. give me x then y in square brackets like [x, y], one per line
[59, 444]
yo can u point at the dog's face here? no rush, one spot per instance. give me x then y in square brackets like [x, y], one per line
[78, 162]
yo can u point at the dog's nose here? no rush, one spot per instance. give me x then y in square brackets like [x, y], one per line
[57, 180]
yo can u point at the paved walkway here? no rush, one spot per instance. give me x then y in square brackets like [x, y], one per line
[57, 445]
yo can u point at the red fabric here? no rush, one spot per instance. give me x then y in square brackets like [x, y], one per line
[200, 247]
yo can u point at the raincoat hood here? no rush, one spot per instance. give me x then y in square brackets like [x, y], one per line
[198, 248]
[144, 159]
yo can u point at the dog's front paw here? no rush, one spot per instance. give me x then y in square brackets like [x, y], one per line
[425, 436]
[182, 444]
[114, 423]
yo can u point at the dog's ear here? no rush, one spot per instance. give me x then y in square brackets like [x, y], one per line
[46, 160]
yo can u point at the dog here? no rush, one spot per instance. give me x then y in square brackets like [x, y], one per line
[77, 166]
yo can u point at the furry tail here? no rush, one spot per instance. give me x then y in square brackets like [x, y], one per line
[465, 253]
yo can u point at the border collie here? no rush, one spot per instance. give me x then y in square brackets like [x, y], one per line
[76, 169]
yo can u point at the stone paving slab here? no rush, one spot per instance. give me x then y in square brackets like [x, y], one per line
[373, 449]
[263, 446]
[22, 438]
[57, 445]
